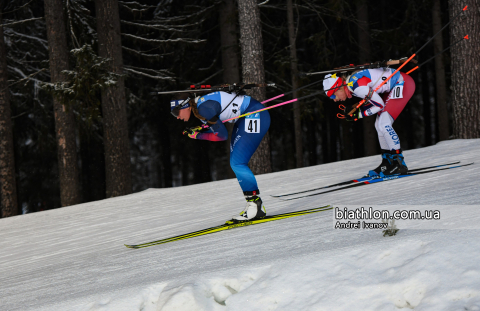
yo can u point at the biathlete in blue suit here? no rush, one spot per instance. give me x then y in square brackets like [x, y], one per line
[247, 134]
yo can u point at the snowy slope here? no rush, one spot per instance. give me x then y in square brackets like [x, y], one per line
[73, 258]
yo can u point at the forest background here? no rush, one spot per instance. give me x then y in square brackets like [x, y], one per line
[168, 45]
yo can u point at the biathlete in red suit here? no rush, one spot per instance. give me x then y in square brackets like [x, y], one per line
[387, 103]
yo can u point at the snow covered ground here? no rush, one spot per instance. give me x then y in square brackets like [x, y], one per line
[73, 258]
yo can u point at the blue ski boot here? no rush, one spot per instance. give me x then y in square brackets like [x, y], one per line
[393, 163]
[396, 164]
[382, 167]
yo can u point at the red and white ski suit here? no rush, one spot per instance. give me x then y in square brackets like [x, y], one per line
[387, 103]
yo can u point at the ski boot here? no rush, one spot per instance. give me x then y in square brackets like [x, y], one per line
[253, 210]
[396, 164]
[382, 167]
[393, 163]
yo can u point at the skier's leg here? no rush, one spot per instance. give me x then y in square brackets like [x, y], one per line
[392, 157]
[242, 146]
[385, 151]
[246, 137]
[381, 139]
[386, 132]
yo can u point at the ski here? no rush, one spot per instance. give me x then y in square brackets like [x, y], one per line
[230, 225]
[352, 181]
[376, 180]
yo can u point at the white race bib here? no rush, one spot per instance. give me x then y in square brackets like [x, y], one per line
[252, 123]
[397, 91]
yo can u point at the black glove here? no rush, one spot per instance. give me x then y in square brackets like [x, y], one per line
[355, 115]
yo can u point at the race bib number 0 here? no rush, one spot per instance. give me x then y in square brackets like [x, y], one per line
[252, 123]
[397, 91]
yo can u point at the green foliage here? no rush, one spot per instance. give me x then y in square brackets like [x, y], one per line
[84, 84]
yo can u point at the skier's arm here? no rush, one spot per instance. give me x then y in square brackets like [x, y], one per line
[217, 132]
[374, 105]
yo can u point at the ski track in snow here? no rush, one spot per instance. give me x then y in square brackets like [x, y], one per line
[73, 258]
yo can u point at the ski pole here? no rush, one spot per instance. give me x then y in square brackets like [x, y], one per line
[284, 103]
[205, 126]
[428, 41]
[413, 69]
[281, 95]
[277, 105]
[381, 84]
[413, 55]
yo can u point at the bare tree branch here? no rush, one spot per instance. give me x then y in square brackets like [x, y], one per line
[26, 78]
[210, 77]
[26, 4]
[144, 54]
[184, 40]
[22, 21]
[149, 76]
[174, 28]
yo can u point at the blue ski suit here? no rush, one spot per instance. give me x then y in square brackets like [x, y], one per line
[247, 133]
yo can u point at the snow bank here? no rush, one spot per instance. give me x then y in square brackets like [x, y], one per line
[74, 259]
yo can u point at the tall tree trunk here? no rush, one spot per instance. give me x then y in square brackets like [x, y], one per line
[297, 116]
[229, 41]
[70, 190]
[365, 54]
[8, 188]
[230, 63]
[251, 44]
[115, 124]
[465, 59]
[442, 111]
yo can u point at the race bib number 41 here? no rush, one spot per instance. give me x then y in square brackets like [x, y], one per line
[397, 91]
[252, 123]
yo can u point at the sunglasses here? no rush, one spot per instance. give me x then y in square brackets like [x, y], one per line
[176, 111]
[335, 88]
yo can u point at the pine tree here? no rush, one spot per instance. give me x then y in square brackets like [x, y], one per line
[8, 188]
[297, 117]
[115, 125]
[230, 63]
[465, 76]
[69, 177]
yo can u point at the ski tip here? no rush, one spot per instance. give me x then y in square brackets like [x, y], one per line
[130, 246]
